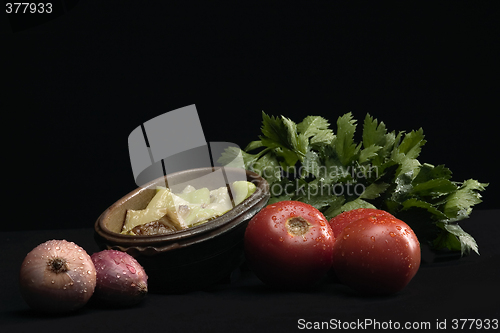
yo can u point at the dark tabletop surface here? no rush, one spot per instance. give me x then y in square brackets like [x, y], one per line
[443, 289]
[78, 84]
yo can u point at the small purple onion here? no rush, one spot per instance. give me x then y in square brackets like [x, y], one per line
[121, 280]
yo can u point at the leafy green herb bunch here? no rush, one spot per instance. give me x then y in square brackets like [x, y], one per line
[329, 170]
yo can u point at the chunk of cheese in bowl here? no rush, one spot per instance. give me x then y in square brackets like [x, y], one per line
[190, 207]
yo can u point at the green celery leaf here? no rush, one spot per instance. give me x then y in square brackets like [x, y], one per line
[467, 242]
[312, 125]
[344, 141]
[302, 146]
[384, 154]
[254, 145]
[316, 129]
[232, 156]
[229, 155]
[416, 203]
[317, 195]
[405, 151]
[321, 139]
[292, 136]
[285, 188]
[312, 164]
[289, 157]
[461, 201]
[407, 165]
[374, 134]
[434, 188]
[330, 169]
[268, 167]
[403, 187]
[374, 190]
[454, 238]
[279, 198]
[280, 135]
[354, 204]
[429, 172]
[368, 153]
[446, 240]
[275, 130]
[412, 143]
[334, 208]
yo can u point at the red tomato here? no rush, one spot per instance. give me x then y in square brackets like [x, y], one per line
[377, 254]
[289, 244]
[339, 222]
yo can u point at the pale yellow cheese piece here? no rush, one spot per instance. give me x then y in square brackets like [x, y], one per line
[156, 209]
[189, 207]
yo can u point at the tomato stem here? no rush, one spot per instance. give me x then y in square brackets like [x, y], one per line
[297, 226]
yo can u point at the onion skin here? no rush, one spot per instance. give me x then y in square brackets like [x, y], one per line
[121, 280]
[57, 277]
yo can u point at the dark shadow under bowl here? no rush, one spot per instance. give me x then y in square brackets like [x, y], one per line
[189, 259]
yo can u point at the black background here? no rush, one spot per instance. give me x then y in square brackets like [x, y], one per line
[77, 85]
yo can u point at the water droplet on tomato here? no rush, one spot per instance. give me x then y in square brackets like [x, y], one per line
[372, 238]
[392, 234]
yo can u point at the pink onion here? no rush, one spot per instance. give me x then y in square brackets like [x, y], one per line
[121, 280]
[57, 276]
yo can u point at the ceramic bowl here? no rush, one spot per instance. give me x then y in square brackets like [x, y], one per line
[189, 259]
